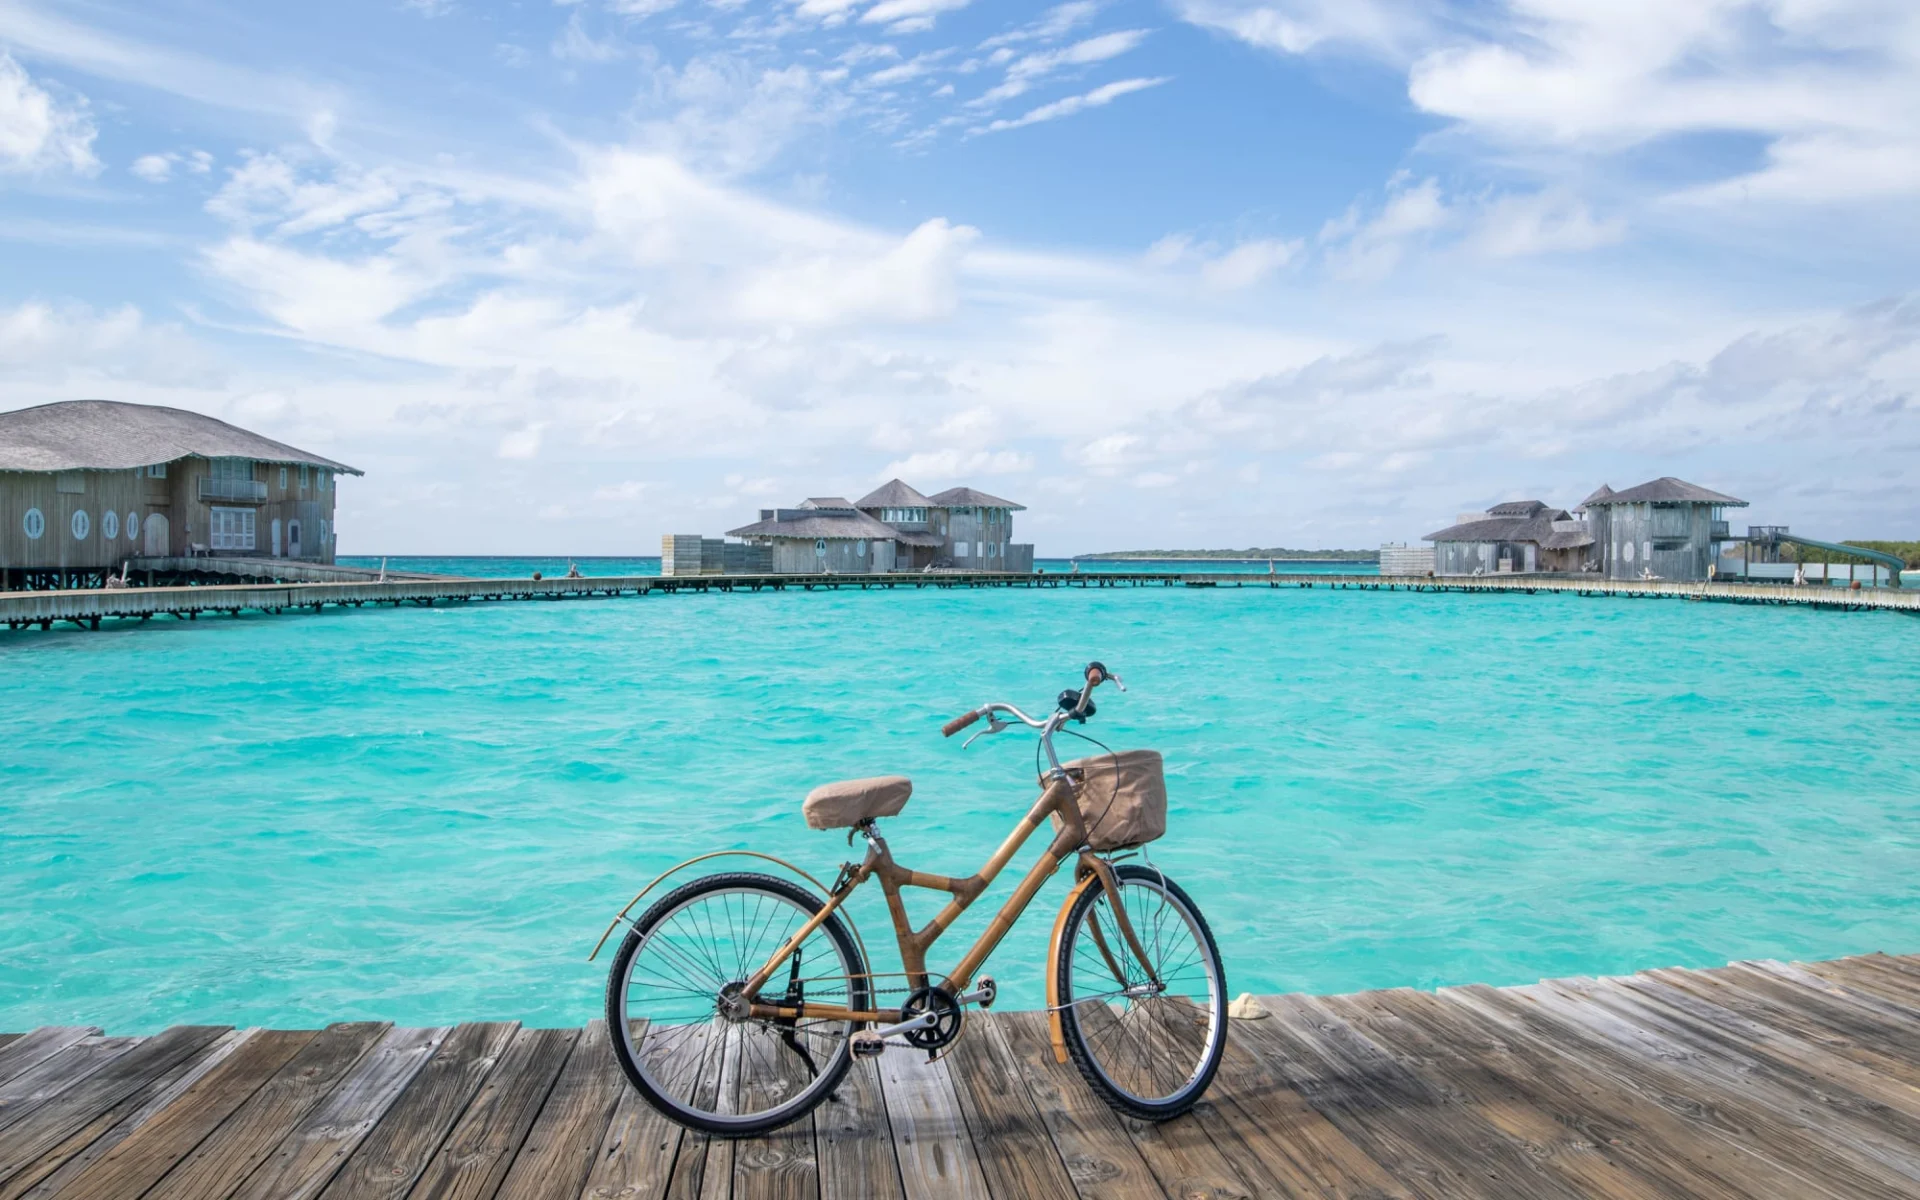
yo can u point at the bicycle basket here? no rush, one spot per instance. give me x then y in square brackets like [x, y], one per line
[1123, 798]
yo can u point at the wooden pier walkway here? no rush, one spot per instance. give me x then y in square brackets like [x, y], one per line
[87, 608]
[1757, 1080]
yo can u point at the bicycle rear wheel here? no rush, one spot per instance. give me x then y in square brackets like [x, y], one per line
[1148, 1041]
[691, 1051]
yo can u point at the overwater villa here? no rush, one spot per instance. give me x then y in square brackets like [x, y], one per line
[895, 527]
[87, 484]
[1667, 528]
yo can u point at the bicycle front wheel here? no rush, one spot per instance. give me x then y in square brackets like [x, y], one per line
[1147, 1033]
[679, 1024]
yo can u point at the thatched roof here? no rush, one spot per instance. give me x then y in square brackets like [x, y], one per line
[894, 493]
[1602, 494]
[1537, 528]
[966, 497]
[1516, 508]
[826, 525]
[826, 502]
[911, 538]
[107, 435]
[1667, 490]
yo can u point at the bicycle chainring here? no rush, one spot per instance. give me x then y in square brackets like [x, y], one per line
[947, 1017]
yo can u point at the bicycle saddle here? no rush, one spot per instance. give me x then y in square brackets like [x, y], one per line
[851, 801]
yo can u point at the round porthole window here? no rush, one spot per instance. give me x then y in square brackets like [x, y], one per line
[819, 547]
[862, 551]
[109, 524]
[1628, 548]
[81, 525]
[133, 526]
[34, 523]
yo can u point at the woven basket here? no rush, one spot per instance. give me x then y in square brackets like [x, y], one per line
[1123, 798]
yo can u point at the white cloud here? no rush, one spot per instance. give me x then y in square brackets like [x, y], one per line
[1514, 224]
[522, 443]
[1832, 87]
[37, 132]
[1230, 269]
[1370, 248]
[1387, 28]
[154, 168]
[1056, 22]
[727, 116]
[909, 16]
[1029, 69]
[1103, 95]
[914, 280]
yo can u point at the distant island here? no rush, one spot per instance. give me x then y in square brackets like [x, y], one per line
[1277, 553]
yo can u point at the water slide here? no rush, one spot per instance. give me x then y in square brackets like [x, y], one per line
[1893, 562]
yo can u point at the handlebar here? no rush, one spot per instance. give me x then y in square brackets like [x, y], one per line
[1072, 705]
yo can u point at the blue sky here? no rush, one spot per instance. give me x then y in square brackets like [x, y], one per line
[565, 276]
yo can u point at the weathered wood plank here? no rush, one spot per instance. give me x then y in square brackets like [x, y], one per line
[5, 1038]
[248, 1137]
[1829, 1019]
[1017, 1155]
[398, 1148]
[1421, 1134]
[74, 1131]
[1811, 1057]
[38, 1084]
[937, 1157]
[854, 1140]
[1279, 1142]
[479, 1150]
[306, 1160]
[1848, 1121]
[781, 1165]
[154, 1149]
[33, 1048]
[1599, 1156]
[1712, 1091]
[1099, 1156]
[559, 1151]
[636, 1156]
[1877, 978]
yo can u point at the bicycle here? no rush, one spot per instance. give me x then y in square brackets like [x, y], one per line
[738, 1001]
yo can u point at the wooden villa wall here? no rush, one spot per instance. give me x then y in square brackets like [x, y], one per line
[1642, 527]
[797, 556]
[175, 498]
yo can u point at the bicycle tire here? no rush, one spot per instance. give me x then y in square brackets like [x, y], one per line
[619, 1010]
[1076, 1016]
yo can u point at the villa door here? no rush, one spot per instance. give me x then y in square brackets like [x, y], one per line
[293, 539]
[156, 536]
[276, 537]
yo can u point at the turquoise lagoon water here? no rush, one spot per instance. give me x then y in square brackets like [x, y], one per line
[520, 567]
[429, 815]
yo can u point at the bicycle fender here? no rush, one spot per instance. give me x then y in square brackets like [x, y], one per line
[681, 866]
[1054, 1029]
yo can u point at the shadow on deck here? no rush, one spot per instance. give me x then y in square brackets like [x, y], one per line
[1758, 1079]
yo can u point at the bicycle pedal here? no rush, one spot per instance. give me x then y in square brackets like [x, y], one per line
[867, 1044]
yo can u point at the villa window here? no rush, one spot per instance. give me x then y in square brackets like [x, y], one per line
[303, 477]
[283, 479]
[962, 550]
[231, 529]
[157, 471]
[861, 550]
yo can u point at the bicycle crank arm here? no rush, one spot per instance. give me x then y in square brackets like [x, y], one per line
[873, 1041]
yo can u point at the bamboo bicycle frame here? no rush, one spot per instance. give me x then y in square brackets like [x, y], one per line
[1057, 798]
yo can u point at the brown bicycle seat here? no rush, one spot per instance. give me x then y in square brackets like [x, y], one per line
[851, 801]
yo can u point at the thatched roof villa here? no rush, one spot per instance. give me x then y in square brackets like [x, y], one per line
[87, 484]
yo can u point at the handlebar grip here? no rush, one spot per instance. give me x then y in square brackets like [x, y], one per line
[958, 723]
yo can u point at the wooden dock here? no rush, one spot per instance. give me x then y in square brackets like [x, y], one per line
[1757, 1080]
[87, 608]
